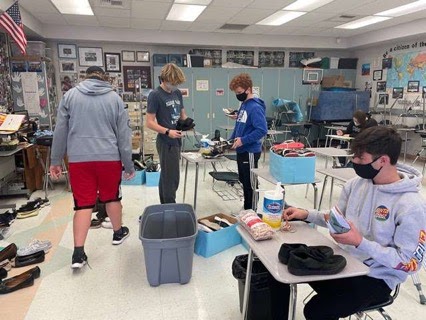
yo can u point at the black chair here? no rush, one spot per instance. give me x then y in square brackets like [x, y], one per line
[362, 314]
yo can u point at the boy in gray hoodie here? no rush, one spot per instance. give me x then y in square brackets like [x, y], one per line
[387, 216]
[92, 129]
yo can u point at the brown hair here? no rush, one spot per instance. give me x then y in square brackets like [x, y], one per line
[172, 74]
[378, 141]
[242, 80]
[361, 117]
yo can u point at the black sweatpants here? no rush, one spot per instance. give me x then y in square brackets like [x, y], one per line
[341, 298]
[245, 162]
[170, 173]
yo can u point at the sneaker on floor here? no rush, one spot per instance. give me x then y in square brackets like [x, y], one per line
[119, 237]
[107, 219]
[106, 224]
[35, 246]
[27, 214]
[95, 223]
[78, 261]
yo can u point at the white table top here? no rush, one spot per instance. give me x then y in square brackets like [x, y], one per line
[335, 136]
[267, 252]
[342, 174]
[265, 174]
[296, 124]
[196, 157]
[335, 127]
[331, 152]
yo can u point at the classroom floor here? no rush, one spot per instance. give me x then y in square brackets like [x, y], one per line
[116, 285]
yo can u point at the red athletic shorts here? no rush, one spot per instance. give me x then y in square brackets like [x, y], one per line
[92, 179]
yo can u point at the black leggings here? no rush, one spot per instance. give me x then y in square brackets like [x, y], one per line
[247, 161]
[341, 298]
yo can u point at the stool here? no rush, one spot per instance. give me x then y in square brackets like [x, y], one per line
[231, 179]
[46, 141]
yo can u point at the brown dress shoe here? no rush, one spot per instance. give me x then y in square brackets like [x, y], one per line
[9, 252]
[16, 283]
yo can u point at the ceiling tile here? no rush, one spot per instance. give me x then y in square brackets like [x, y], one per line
[250, 16]
[257, 29]
[39, 6]
[149, 24]
[127, 4]
[50, 18]
[309, 19]
[377, 6]
[204, 27]
[340, 6]
[107, 12]
[76, 20]
[269, 4]
[150, 9]
[218, 14]
[175, 25]
[114, 22]
[228, 3]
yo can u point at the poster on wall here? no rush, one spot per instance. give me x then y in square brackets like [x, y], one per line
[241, 57]
[381, 86]
[202, 85]
[271, 59]
[215, 55]
[296, 57]
[30, 92]
[365, 70]
[132, 75]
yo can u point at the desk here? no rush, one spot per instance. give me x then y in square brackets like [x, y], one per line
[197, 158]
[264, 173]
[187, 134]
[341, 174]
[331, 152]
[330, 130]
[270, 137]
[267, 252]
[300, 124]
[406, 130]
[341, 138]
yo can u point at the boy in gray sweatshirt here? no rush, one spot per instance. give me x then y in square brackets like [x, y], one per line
[92, 129]
[387, 216]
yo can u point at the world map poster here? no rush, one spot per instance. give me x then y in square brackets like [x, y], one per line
[407, 67]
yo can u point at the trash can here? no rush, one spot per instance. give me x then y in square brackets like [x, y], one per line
[168, 233]
[268, 298]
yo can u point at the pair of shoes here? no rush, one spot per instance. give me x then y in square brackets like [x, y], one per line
[30, 209]
[106, 224]
[35, 246]
[304, 260]
[6, 265]
[7, 217]
[222, 222]
[120, 236]
[95, 224]
[5, 232]
[212, 225]
[22, 261]
[23, 280]
[3, 273]
[78, 261]
[8, 253]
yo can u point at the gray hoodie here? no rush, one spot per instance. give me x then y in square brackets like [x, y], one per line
[92, 125]
[392, 220]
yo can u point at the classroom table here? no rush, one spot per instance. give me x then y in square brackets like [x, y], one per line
[341, 138]
[330, 152]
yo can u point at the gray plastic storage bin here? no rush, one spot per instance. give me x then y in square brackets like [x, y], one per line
[168, 232]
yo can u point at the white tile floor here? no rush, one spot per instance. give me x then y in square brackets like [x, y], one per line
[116, 285]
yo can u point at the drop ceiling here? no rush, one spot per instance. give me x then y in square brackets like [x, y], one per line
[141, 15]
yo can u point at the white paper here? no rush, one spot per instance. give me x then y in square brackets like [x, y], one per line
[202, 85]
[12, 122]
[30, 92]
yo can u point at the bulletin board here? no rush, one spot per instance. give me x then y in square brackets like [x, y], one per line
[132, 74]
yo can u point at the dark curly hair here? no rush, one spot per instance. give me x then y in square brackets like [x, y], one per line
[242, 80]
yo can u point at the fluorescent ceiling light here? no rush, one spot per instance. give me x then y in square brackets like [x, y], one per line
[403, 10]
[80, 7]
[280, 17]
[200, 2]
[306, 5]
[185, 12]
[362, 22]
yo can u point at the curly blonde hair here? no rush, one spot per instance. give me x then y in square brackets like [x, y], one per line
[172, 74]
[242, 80]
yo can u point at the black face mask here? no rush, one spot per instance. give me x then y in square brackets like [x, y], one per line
[242, 96]
[366, 171]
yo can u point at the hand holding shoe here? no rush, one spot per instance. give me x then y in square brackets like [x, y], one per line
[294, 213]
[352, 237]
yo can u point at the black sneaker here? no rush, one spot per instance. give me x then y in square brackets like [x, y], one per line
[119, 237]
[95, 223]
[78, 261]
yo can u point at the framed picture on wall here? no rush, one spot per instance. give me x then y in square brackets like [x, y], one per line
[128, 56]
[68, 66]
[398, 93]
[413, 86]
[112, 62]
[142, 56]
[90, 57]
[68, 51]
[377, 75]
[381, 86]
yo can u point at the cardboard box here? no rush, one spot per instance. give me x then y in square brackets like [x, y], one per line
[333, 81]
[138, 180]
[208, 244]
[152, 179]
[292, 169]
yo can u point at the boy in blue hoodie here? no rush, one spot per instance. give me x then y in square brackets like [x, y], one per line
[387, 215]
[250, 128]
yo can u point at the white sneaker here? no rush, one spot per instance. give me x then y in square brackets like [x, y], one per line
[35, 246]
[106, 225]
[107, 219]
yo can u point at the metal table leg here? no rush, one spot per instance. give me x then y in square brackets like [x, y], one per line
[184, 183]
[292, 302]
[248, 283]
[331, 192]
[322, 192]
[196, 185]
[314, 185]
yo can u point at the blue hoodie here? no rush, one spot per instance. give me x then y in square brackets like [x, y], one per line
[251, 125]
[392, 220]
[92, 125]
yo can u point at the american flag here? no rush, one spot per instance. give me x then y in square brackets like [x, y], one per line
[11, 21]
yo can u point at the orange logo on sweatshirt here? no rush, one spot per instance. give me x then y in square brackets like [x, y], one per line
[381, 213]
[418, 254]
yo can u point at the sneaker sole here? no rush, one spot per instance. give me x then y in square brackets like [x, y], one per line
[117, 242]
[78, 265]
[95, 227]
[27, 214]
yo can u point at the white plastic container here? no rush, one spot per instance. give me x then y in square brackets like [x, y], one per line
[204, 145]
[273, 204]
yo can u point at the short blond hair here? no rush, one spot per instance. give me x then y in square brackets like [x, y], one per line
[172, 74]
